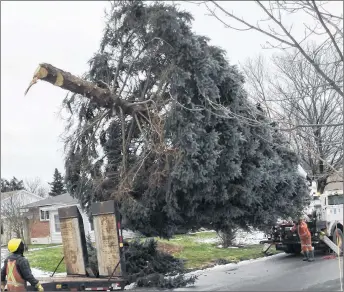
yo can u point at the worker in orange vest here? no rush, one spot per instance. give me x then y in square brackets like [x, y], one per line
[306, 239]
[17, 269]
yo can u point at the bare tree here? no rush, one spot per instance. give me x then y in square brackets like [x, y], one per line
[326, 25]
[13, 219]
[298, 95]
[36, 186]
[315, 138]
[258, 85]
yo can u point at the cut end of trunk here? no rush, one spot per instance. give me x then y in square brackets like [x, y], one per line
[59, 79]
[40, 73]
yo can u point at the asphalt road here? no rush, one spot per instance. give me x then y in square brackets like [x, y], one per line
[277, 273]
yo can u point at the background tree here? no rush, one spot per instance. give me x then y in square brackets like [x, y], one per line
[12, 217]
[57, 185]
[35, 186]
[297, 95]
[316, 21]
[165, 128]
[11, 185]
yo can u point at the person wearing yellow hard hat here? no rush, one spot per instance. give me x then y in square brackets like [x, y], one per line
[16, 269]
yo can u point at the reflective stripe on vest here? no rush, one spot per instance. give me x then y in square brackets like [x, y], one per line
[14, 280]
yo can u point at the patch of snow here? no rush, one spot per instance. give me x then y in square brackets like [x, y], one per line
[128, 234]
[249, 238]
[202, 230]
[40, 248]
[130, 286]
[242, 238]
[39, 273]
[208, 240]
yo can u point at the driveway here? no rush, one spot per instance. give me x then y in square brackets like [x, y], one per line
[278, 273]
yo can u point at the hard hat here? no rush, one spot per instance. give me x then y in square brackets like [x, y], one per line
[14, 244]
[303, 217]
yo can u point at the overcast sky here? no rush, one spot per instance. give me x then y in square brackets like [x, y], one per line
[66, 34]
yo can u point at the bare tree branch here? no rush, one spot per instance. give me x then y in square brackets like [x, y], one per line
[35, 186]
[288, 39]
[328, 31]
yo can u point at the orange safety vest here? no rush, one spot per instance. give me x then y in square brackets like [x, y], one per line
[303, 230]
[15, 282]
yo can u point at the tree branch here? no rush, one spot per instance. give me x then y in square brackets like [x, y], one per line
[327, 30]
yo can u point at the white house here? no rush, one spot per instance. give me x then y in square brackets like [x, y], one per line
[12, 220]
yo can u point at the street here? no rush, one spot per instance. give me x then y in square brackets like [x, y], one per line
[278, 273]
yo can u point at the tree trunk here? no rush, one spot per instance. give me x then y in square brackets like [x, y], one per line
[102, 97]
[227, 236]
[321, 184]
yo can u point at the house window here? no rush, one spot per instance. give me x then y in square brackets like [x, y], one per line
[57, 223]
[44, 215]
[91, 225]
[2, 229]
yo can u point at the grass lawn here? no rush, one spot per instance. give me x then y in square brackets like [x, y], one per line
[46, 259]
[201, 255]
[32, 246]
[197, 254]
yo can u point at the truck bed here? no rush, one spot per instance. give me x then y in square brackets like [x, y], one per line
[76, 279]
[282, 237]
[79, 283]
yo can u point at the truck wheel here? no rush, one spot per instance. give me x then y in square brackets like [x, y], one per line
[297, 249]
[289, 249]
[338, 238]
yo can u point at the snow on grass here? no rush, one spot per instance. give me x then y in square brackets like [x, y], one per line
[249, 238]
[242, 238]
[46, 247]
[208, 240]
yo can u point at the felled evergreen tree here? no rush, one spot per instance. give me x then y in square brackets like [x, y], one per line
[182, 147]
[57, 185]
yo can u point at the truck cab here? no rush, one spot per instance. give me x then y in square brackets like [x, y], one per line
[330, 214]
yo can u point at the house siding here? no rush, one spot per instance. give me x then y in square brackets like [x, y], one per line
[40, 229]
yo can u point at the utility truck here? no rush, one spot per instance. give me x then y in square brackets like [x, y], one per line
[325, 217]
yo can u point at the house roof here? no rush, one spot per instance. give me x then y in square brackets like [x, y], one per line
[7, 195]
[64, 199]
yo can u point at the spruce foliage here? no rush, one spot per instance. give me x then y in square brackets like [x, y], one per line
[202, 156]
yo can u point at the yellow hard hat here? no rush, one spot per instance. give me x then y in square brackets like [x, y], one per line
[13, 244]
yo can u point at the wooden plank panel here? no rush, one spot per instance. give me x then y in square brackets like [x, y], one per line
[72, 246]
[108, 250]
